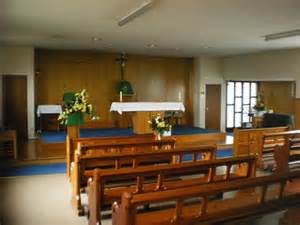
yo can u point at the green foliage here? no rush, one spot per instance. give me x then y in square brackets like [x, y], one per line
[78, 104]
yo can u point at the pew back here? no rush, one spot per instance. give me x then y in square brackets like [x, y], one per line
[269, 194]
[72, 144]
[85, 163]
[282, 148]
[204, 172]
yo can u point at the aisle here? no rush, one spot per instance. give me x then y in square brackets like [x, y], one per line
[36, 200]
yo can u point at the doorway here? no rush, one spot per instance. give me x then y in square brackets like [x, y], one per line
[213, 106]
[15, 104]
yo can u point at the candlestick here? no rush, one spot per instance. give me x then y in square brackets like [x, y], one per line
[121, 96]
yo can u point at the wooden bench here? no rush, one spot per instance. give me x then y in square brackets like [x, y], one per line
[249, 141]
[72, 144]
[85, 162]
[192, 205]
[281, 149]
[11, 147]
[100, 193]
[181, 140]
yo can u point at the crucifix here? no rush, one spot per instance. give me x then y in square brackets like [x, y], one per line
[124, 87]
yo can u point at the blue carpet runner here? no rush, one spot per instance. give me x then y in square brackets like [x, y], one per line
[60, 136]
[58, 168]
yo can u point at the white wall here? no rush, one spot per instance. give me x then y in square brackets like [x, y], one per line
[209, 70]
[270, 65]
[20, 61]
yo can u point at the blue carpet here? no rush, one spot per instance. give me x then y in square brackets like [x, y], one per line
[60, 136]
[53, 168]
[58, 168]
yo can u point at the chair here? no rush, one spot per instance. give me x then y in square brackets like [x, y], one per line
[8, 143]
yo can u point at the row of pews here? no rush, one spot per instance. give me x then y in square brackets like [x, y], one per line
[149, 181]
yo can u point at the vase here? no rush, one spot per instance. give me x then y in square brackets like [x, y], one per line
[157, 136]
[75, 119]
[166, 133]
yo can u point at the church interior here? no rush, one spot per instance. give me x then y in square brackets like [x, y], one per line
[149, 112]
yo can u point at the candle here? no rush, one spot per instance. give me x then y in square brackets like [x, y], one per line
[179, 96]
[121, 96]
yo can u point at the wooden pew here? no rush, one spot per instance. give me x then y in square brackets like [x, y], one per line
[204, 172]
[282, 148]
[249, 141]
[181, 140]
[269, 194]
[72, 144]
[85, 163]
[111, 155]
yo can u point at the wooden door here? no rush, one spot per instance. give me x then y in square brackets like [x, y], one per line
[15, 104]
[213, 106]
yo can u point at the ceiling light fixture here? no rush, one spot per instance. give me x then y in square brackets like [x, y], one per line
[291, 33]
[145, 6]
[96, 39]
[151, 45]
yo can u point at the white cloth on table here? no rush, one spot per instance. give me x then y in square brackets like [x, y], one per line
[48, 109]
[121, 107]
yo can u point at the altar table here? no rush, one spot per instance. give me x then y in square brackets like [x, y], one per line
[143, 111]
[48, 115]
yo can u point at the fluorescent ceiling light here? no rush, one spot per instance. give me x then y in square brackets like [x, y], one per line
[145, 6]
[280, 35]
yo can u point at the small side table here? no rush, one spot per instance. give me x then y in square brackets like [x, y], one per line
[10, 136]
[50, 114]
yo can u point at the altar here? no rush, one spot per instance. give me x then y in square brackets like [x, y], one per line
[143, 111]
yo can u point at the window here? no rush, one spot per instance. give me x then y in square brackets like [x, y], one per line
[241, 98]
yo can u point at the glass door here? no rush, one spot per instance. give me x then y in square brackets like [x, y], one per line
[241, 98]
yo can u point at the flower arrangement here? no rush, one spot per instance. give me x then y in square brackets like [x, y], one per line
[78, 106]
[159, 125]
[260, 105]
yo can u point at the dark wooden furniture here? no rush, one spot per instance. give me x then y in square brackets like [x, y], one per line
[8, 143]
[101, 193]
[253, 196]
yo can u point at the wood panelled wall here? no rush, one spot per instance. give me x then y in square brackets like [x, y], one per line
[152, 78]
[279, 96]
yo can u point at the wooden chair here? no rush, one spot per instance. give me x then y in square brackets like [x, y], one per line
[192, 205]
[8, 143]
[204, 172]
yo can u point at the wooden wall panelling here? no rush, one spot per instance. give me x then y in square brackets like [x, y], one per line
[297, 113]
[279, 95]
[152, 78]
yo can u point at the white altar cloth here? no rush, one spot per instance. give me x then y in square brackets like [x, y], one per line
[48, 109]
[121, 107]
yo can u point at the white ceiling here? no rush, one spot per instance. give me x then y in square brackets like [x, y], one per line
[177, 27]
